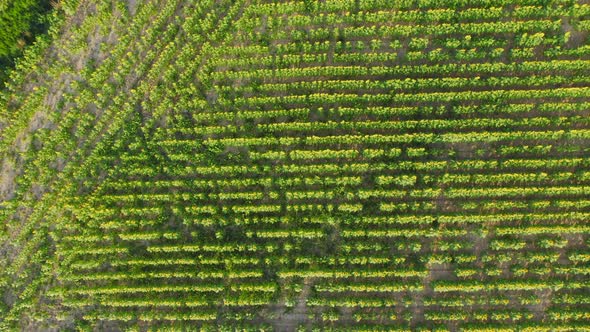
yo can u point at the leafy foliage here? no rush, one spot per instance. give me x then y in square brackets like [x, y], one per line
[20, 22]
[335, 165]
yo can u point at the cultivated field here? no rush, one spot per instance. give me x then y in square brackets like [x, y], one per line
[363, 165]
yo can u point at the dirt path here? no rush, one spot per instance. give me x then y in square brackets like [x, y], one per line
[290, 321]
